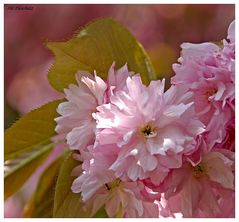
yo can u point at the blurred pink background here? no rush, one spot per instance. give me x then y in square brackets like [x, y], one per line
[160, 28]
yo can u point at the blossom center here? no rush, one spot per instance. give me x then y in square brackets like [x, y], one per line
[198, 171]
[149, 131]
[210, 92]
[113, 184]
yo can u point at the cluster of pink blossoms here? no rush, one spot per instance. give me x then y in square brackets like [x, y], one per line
[147, 152]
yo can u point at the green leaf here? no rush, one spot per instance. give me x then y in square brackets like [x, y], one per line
[10, 115]
[66, 203]
[34, 129]
[96, 47]
[101, 213]
[41, 203]
[18, 170]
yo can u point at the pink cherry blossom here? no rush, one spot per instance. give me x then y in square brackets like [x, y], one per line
[118, 198]
[231, 32]
[201, 190]
[146, 152]
[99, 187]
[220, 132]
[209, 72]
[229, 46]
[77, 112]
[206, 75]
[150, 127]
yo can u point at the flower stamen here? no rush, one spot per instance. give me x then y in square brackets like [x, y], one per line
[148, 131]
[198, 171]
[113, 184]
[210, 92]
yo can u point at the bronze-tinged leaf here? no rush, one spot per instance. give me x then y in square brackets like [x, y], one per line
[42, 201]
[32, 130]
[19, 169]
[66, 203]
[96, 47]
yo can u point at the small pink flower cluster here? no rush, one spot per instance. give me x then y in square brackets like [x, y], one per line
[147, 152]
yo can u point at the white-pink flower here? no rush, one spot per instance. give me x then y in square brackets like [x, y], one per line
[118, 198]
[209, 71]
[201, 190]
[76, 118]
[149, 153]
[229, 46]
[152, 129]
[220, 131]
[100, 188]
